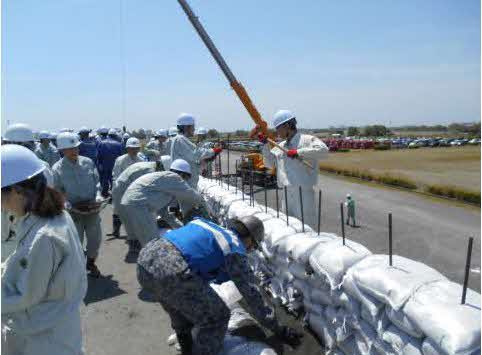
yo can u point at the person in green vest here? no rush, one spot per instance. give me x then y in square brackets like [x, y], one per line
[350, 206]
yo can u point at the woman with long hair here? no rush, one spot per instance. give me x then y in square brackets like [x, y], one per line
[44, 280]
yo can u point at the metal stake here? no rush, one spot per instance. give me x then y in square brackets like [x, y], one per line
[277, 202]
[467, 269]
[302, 213]
[342, 223]
[265, 197]
[390, 239]
[286, 206]
[319, 211]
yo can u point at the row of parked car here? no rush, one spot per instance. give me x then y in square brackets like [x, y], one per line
[433, 142]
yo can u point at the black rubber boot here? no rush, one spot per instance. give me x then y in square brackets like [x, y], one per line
[92, 268]
[185, 342]
[116, 224]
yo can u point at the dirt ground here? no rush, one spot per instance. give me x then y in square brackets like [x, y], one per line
[457, 166]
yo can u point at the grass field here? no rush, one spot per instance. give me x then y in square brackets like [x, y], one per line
[457, 166]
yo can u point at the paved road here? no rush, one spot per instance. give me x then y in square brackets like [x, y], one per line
[429, 230]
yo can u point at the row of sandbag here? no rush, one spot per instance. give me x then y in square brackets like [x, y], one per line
[355, 301]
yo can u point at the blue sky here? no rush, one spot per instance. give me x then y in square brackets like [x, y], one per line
[351, 62]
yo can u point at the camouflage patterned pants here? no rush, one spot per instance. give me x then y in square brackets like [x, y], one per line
[193, 306]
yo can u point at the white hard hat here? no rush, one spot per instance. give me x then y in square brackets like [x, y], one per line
[181, 165]
[53, 135]
[166, 162]
[66, 130]
[66, 140]
[173, 131]
[162, 132]
[202, 130]
[44, 135]
[84, 130]
[281, 117]
[112, 132]
[18, 164]
[19, 132]
[103, 130]
[126, 135]
[185, 119]
[133, 142]
[348, 196]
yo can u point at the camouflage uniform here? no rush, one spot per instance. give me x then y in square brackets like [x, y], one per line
[191, 302]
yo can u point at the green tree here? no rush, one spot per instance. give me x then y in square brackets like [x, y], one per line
[353, 131]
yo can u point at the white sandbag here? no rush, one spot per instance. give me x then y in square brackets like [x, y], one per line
[303, 248]
[455, 328]
[320, 328]
[275, 228]
[350, 304]
[234, 345]
[401, 342]
[393, 285]
[240, 209]
[285, 246]
[402, 322]
[228, 292]
[263, 217]
[373, 305]
[333, 259]
[240, 318]
[336, 320]
[322, 296]
[367, 341]
[348, 346]
[298, 271]
[379, 323]
[313, 308]
[430, 348]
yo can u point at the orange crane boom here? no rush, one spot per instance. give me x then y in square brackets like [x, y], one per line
[235, 84]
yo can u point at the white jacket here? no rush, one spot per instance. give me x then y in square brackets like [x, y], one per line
[183, 148]
[291, 171]
[43, 283]
[122, 163]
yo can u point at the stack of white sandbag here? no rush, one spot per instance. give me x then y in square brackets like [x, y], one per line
[354, 301]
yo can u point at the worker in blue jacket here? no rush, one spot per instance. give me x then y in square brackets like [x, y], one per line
[177, 267]
[108, 151]
[88, 145]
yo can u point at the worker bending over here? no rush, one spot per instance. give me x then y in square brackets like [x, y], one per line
[178, 267]
[127, 177]
[152, 193]
[133, 147]
[290, 171]
[183, 148]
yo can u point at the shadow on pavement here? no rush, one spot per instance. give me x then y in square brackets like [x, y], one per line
[101, 289]
[146, 296]
[112, 237]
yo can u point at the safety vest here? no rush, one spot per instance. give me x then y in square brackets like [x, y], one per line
[204, 246]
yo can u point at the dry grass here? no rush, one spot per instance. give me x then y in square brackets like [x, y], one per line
[450, 172]
[458, 166]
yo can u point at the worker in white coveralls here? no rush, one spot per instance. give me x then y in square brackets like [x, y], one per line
[177, 269]
[183, 148]
[19, 134]
[127, 177]
[291, 172]
[46, 150]
[44, 280]
[152, 193]
[133, 147]
[159, 146]
[77, 178]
